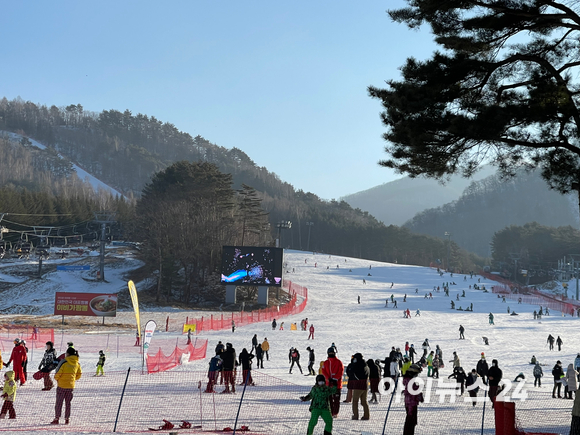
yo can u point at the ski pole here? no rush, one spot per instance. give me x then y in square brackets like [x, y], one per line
[200, 405]
[214, 414]
[483, 414]
[390, 402]
[241, 400]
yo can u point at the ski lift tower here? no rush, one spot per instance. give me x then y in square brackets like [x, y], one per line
[576, 265]
[104, 219]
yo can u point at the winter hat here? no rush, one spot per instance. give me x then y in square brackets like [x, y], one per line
[70, 344]
[320, 378]
[308, 348]
[358, 357]
[330, 352]
[558, 362]
[101, 352]
[16, 341]
[494, 361]
[482, 355]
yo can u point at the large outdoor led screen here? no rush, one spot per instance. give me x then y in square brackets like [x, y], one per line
[251, 265]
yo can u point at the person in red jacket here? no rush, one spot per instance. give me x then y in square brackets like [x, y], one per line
[333, 368]
[19, 357]
[311, 332]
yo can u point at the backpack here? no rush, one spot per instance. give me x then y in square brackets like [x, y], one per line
[538, 371]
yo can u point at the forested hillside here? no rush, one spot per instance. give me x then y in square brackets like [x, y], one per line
[490, 205]
[126, 150]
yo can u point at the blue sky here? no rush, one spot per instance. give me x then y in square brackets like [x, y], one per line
[283, 81]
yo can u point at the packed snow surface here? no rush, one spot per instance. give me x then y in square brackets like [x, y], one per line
[368, 327]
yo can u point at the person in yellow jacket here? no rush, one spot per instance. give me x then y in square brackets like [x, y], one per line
[8, 394]
[66, 376]
[266, 348]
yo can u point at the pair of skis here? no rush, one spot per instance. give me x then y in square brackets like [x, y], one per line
[167, 425]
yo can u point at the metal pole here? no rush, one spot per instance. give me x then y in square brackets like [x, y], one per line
[390, 402]
[121, 401]
[483, 414]
[241, 400]
[102, 260]
[576, 272]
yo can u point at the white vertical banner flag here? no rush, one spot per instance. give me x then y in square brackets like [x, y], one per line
[149, 330]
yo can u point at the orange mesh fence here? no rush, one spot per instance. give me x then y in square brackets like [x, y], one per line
[191, 352]
[533, 297]
[271, 407]
[297, 303]
[33, 336]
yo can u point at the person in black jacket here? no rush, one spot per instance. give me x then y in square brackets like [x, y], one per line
[246, 363]
[412, 353]
[374, 377]
[311, 359]
[294, 358]
[482, 368]
[48, 364]
[557, 372]
[459, 375]
[254, 343]
[259, 357]
[358, 372]
[229, 363]
[494, 376]
[470, 383]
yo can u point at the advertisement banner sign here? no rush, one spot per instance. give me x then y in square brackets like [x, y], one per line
[187, 327]
[135, 300]
[149, 330]
[85, 304]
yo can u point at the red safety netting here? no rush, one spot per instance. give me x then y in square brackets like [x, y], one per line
[532, 296]
[36, 337]
[297, 303]
[191, 352]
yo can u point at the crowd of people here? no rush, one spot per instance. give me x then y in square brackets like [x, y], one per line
[67, 371]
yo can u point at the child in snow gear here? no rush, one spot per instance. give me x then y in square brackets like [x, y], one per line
[538, 373]
[48, 364]
[8, 394]
[311, 335]
[101, 364]
[411, 400]
[320, 396]
[66, 375]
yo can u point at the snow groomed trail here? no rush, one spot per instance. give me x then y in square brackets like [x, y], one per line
[272, 406]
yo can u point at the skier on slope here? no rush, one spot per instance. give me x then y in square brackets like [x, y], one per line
[294, 358]
[550, 341]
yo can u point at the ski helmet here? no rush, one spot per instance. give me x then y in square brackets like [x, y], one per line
[320, 378]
